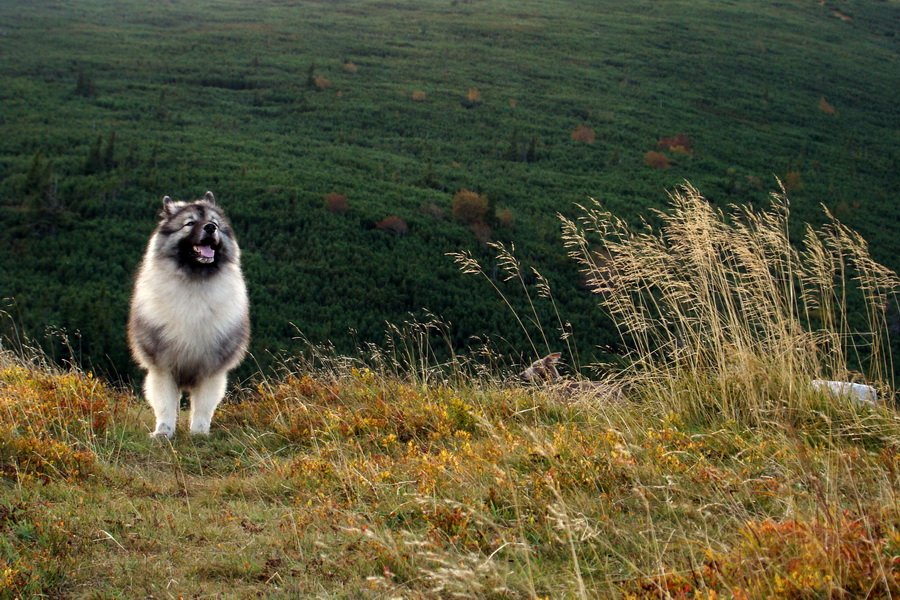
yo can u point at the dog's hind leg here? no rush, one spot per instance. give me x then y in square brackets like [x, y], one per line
[163, 395]
[205, 397]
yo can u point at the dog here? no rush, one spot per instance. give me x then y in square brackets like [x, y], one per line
[543, 371]
[190, 320]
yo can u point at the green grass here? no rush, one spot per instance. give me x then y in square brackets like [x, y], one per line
[217, 95]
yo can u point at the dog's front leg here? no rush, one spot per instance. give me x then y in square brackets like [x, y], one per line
[163, 395]
[205, 397]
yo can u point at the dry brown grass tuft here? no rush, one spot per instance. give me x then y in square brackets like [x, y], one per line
[725, 316]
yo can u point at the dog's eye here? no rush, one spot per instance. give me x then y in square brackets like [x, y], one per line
[189, 223]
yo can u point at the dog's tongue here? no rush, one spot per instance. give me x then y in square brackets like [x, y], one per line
[207, 252]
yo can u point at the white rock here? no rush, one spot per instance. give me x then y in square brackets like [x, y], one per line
[844, 389]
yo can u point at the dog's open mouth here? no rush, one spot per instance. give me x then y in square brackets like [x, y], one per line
[204, 254]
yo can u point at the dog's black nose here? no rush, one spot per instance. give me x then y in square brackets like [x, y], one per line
[209, 228]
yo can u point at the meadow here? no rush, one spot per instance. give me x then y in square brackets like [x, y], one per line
[366, 487]
[355, 143]
[716, 471]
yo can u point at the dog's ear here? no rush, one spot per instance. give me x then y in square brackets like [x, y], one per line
[552, 359]
[168, 206]
[210, 198]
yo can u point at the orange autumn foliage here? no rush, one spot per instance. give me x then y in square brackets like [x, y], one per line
[585, 134]
[826, 108]
[337, 203]
[656, 160]
[393, 224]
[505, 217]
[469, 207]
[680, 144]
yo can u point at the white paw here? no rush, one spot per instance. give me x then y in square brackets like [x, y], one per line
[163, 430]
[200, 428]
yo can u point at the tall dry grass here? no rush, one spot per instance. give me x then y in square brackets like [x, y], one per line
[511, 269]
[725, 316]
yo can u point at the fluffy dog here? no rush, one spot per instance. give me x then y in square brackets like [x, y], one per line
[189, 322]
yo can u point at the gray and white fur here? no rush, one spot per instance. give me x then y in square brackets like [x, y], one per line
[189, 322]
[543, 371]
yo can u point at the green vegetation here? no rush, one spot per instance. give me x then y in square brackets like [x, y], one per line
[721, 473]
[532, 105]
[366, 150]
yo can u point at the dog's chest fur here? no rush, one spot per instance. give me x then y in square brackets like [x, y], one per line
[189, 318]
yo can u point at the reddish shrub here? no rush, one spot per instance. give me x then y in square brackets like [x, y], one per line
[337, 203]
[680, 143]
[322, 83]
[841, 15]
[418, 96]
[657, 160]
[585, 134]
[474, 95]
[350, 67]
[825, 107]
[469, 207]
[393, 224]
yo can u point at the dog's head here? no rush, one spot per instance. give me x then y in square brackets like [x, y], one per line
[543, 369]
[196, 235]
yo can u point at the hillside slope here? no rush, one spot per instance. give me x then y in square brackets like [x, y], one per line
[349, 484]
[534, 106]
